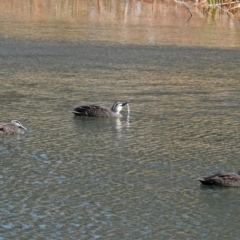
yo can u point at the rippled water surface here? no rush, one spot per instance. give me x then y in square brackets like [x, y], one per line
[126, 178]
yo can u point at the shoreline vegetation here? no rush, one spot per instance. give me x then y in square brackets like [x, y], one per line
[214, 7]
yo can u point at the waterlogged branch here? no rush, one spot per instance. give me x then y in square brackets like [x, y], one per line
[185, 4]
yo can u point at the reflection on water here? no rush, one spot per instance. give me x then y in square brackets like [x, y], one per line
[137, 22]
[98, 125]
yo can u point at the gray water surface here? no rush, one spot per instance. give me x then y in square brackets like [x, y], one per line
[95, 178]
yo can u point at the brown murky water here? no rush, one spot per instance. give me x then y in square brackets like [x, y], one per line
[136, 178]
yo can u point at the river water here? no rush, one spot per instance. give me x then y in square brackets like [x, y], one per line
[126, 178]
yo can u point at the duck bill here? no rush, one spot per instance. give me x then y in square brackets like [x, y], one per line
[125, 103]
[24, 128]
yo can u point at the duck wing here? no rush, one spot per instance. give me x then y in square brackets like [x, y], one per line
[8, 128]
[92, 111]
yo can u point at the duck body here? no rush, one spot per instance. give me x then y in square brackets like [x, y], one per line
[13, 127]
[100, 111]
[222, 179]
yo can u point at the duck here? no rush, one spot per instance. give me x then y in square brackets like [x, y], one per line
[13, 127]
[222, 179]
[100, 111]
